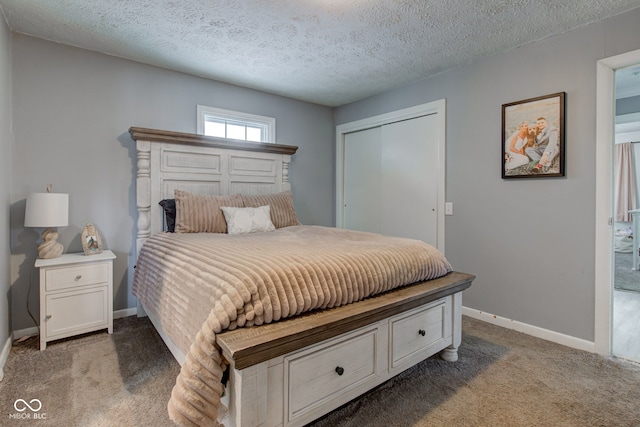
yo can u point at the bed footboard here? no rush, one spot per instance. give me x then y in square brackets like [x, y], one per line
[292, 372]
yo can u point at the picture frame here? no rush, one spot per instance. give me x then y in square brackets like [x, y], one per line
[91, 242]
[533, 137]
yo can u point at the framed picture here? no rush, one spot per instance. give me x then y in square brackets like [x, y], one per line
[533, 137]
[91, 243]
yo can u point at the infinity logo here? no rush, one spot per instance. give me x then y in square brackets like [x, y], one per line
[24, 405]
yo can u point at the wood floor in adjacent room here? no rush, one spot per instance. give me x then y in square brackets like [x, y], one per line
[626, 325]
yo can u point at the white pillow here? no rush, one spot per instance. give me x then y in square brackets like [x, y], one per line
[247, 220]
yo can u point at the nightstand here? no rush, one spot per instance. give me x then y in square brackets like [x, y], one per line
[76, 295]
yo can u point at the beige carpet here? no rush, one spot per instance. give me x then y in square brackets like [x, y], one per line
[503, 378]
[97, 380]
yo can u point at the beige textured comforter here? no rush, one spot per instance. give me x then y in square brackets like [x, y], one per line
[201, 284]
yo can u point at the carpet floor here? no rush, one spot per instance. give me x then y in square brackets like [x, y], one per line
[624, 277]
[502, 378]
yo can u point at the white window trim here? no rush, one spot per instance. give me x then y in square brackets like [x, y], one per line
[270, 122]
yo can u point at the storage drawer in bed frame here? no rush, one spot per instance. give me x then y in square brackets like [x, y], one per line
[292, 372]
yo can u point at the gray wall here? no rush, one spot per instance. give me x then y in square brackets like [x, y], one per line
[530, 242]
[5, 178]
[72, 110]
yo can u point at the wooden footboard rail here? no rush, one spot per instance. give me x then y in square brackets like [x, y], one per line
[283, 374]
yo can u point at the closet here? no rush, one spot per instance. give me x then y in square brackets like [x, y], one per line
[392, 177]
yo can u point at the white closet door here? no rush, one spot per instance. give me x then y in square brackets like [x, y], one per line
[362, 180]
[391, 179]
[409, 188]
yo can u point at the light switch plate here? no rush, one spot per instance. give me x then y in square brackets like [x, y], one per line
[448, 208]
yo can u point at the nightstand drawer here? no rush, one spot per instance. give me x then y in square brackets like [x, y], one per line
[80, 275]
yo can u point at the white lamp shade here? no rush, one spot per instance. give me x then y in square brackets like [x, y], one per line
[47, 210]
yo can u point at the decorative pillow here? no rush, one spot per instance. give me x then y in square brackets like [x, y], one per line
[247, 220]
[169, 207]
[283, 214]
[199, 213]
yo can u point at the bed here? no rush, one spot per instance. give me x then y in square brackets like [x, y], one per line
[282, 306]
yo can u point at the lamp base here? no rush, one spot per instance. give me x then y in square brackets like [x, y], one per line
[50, 247]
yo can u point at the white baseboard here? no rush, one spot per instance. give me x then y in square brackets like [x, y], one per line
[4, 355]
[535, 331]
[27, 332]
[118, 314]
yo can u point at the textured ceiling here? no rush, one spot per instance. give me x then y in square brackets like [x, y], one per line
[329, 52]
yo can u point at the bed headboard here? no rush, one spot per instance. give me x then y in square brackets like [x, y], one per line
[167, 161]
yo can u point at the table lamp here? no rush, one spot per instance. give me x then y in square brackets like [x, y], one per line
[47, 210]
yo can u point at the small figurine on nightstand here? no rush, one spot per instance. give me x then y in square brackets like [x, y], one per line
[91, 243]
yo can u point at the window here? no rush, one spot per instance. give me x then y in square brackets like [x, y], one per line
[235, 125]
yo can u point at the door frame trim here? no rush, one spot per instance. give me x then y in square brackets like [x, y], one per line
[605, 137]
[435, 107]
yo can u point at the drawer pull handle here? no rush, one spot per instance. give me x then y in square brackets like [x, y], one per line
[78, 277]
[339, 370]
[422, 332]
[47, 317]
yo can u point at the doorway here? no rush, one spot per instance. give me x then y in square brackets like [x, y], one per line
[604, 248]
[625, 332]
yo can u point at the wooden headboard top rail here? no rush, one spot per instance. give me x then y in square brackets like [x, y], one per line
[155, 135]
[167, 161]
